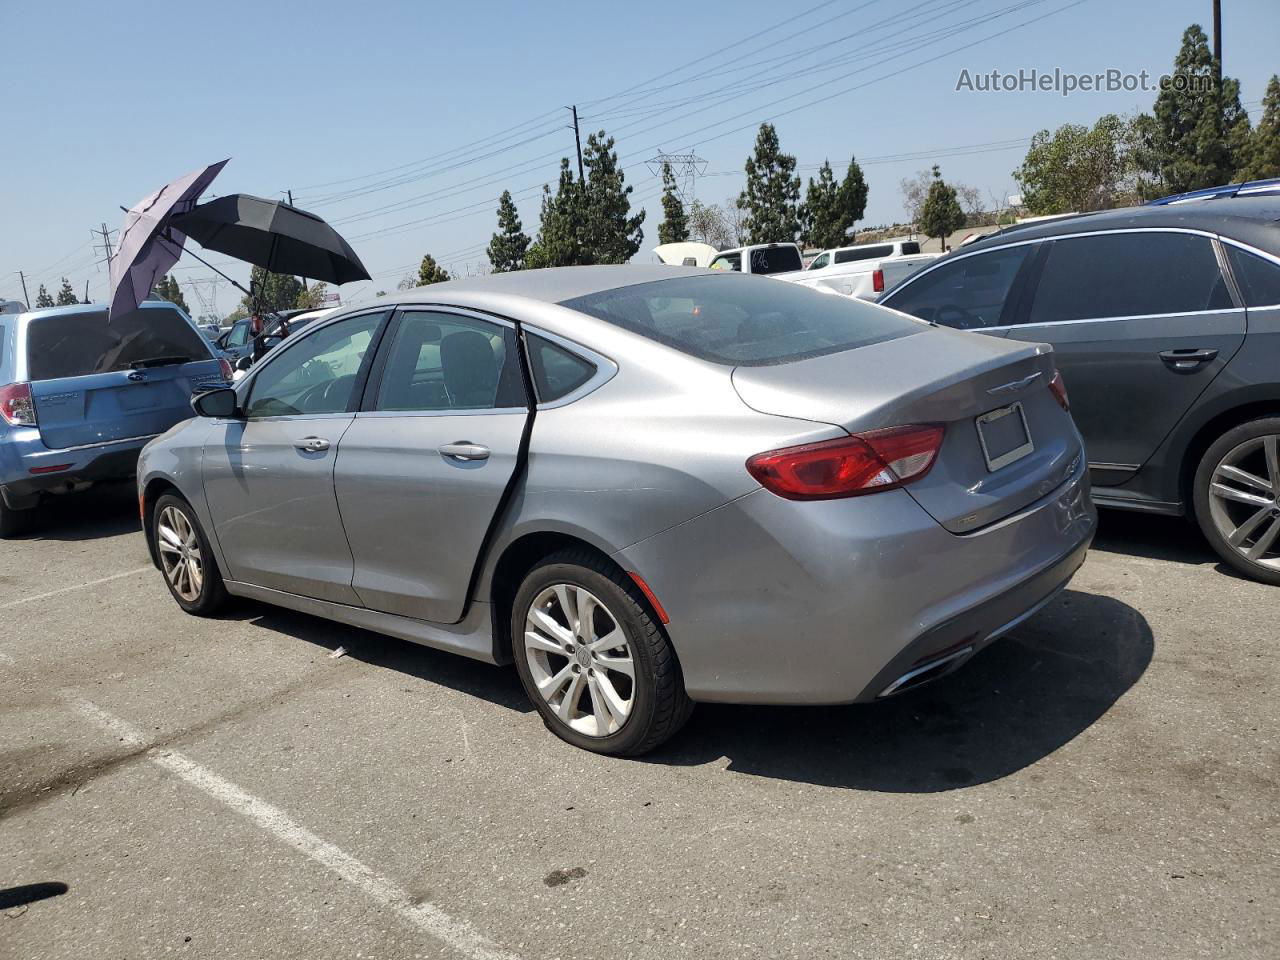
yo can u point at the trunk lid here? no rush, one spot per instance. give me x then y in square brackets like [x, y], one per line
[936, 376]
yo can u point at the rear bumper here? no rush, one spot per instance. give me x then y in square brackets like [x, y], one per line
[774, 601]
[19, 486]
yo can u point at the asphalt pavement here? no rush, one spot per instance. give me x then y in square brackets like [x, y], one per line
[1103, 783]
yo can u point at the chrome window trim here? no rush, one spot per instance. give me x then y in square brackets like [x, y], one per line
[606, 369]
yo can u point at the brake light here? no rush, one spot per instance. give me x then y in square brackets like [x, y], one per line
[1058, 387]
[849, 466]
[228, 371]
[877, 281]
[16, 405]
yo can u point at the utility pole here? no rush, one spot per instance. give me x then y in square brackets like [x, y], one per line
[577, 139]
[23, 277]
[1217, 40]
[86, 291]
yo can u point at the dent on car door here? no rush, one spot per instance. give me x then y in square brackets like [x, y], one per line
[1141, 323]
[425, 467]
[977, 292]
[268, 475]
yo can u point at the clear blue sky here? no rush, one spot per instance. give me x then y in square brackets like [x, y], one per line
[103, 102]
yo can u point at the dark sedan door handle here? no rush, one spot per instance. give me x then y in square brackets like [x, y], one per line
[1185, 361]
[464, 450]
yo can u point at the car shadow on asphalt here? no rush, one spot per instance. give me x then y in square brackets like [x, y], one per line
[1015, 703]
[1154, 537]
[104, 511]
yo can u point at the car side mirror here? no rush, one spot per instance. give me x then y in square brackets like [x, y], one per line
[221, 403]
[244, 363]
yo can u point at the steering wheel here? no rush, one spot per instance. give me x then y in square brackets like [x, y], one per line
[322, 395]
[964, 320]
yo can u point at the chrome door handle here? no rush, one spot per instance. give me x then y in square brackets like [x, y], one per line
[312, 444]
[464, 450]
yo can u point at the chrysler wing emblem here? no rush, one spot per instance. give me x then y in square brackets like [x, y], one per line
[1015, 385]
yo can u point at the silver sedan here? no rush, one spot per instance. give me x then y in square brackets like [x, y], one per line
[646, 486]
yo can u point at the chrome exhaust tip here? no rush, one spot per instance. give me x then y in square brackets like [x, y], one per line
[929, 670]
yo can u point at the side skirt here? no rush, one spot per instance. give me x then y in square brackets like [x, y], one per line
[472, 637]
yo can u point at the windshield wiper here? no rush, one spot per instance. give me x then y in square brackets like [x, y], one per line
[158, 362]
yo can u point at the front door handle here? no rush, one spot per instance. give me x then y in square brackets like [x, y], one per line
[464, 450]
[312, 444]
[1188, 360]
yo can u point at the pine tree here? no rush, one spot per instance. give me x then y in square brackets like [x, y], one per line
[66, 296]
[167, 288]
[675, 226]
[1263, 154]
[1201, 125]
[559, 242]
[820, 210]
[510, 245]
[941, 214]
[610, 234]
[42, 298]
[853, 197]
[431, 272]
[771, 199]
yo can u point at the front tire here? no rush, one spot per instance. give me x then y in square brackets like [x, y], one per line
[1236, 489]
[190, 571]
[594, 659]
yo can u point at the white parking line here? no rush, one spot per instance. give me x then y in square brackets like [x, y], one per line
[427, 917]
[76, 586]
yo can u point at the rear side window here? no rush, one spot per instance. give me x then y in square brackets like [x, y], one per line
[79, 344]
[910, 247]
[556, 371]
[728, 261]
[1128, 275]
[1259, 279]
[877, 252]
[970, 293]
[743, 320]
[775, 260]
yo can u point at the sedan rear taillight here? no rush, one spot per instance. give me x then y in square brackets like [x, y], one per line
[1058, 387]
[849, 466]
[228, 371]
[17, 406]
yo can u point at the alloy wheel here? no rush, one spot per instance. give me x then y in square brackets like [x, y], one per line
[180, 553]
[580, 660]
[1243, 500]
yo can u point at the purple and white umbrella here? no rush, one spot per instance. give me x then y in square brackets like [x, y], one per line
[148, 246]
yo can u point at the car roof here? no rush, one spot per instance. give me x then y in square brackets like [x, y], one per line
[75, 308]
[550, 285]
[1253, 220]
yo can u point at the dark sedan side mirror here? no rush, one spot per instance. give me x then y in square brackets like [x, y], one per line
[221, 403]
[244, 363]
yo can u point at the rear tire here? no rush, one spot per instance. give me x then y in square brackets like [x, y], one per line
[1235, 496]
[609, 681]
[13, 522]
[189, 568]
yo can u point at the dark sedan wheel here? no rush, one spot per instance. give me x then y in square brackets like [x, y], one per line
[593, 657]
[1237, 498]
[186, 561]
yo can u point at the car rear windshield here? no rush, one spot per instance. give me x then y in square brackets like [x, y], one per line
[744, 321]
[78, 344]
[776, 260]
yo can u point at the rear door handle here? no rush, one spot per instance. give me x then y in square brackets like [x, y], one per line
[312, 444]
[1185, 361]
[464, 450]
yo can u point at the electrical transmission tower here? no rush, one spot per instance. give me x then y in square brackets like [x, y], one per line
[686, 167]
[205, 290]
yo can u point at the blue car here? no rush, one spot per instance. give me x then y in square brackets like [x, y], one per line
[1253, 188]
[80, 397]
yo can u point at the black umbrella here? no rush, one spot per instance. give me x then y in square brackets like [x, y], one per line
[273, 235]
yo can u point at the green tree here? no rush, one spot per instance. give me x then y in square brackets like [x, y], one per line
[1201, 128]
[42, 298]
[830, 210]
[1077, 168]
[771, 199]
[610, 233]
[675, 225]
[560, 227]
[431, 272]
[707, 222]
[941, 214]
[66, 296]
[167, 288]
[312, 298]
[1263, 154]
[510, 245]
